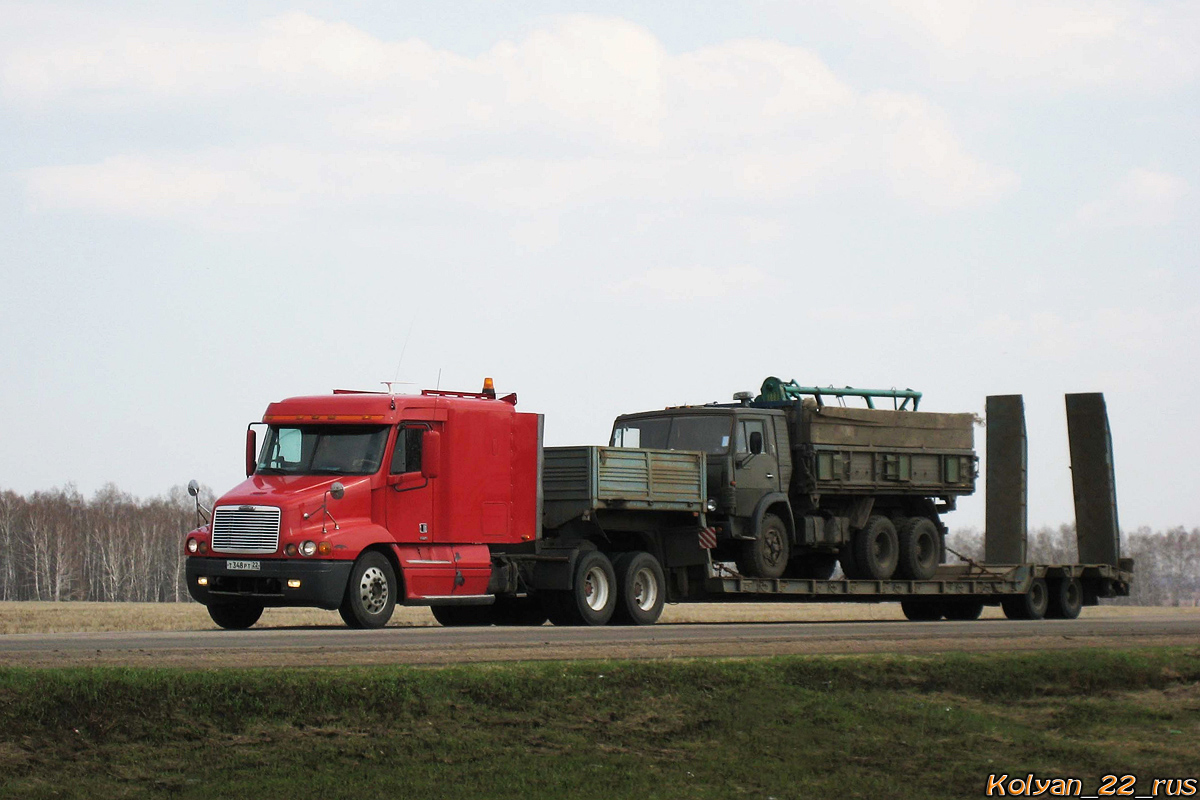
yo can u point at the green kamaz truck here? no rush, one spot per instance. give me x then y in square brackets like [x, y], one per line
[798, 484]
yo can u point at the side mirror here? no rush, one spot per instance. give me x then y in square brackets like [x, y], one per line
[194, 488]
[251, 451]
[337, 491]
[756, 443]
[431, 454]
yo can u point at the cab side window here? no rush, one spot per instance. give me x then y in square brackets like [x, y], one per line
[407, 455]
[745, 427]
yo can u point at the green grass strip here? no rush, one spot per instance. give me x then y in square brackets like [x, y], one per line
[861, 726]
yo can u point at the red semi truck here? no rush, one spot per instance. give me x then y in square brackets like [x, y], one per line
[357, 501]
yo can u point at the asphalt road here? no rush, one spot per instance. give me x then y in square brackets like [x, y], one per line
[332, 646]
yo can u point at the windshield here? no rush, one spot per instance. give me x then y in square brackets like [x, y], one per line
[708, 433]
[323, 450]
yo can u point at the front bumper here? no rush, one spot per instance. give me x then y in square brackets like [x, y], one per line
[322, 583]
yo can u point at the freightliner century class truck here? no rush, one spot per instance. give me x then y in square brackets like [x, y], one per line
[357, 501]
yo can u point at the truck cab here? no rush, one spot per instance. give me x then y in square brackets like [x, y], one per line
[749, 473]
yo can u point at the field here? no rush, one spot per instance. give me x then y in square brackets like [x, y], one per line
[861, 726]
[34, 617]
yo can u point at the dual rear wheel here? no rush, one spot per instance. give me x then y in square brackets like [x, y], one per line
[882, 550]
[630, 591]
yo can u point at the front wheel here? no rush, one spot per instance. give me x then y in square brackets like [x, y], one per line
[371, 593]
[766, 556]
[641, 589]
[235, 616]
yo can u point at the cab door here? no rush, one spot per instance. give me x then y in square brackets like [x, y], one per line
[755, 461]
[409, 493]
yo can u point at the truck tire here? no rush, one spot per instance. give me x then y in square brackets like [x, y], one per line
[963, 610]
[641, 589]
[813, 566]
[371, 592]
[1031, 605]
[921, 610]
[766, 556]
[877, 549]
[235, 616]
[1065, 599]
[593, 597]
[525, 611]
[920, 550]
[463, 616]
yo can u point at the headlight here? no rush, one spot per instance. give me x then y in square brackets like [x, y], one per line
[307, 548]
[192, 545]
[711, 504]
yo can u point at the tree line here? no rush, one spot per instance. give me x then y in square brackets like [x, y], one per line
[59, 545]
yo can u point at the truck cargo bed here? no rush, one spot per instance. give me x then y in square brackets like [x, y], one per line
[576, 480]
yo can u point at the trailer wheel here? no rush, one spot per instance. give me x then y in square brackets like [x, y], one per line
[1031, 605]
[235, 616]
[877, 548]
[920, 551]
[766, 556]
[371, 593]
[813, 566]
[593, 598]
[1066, 599]
[921, 610]
[641, 589]
[518, 611]
[963, 610]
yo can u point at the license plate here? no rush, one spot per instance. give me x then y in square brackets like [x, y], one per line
[244, 565]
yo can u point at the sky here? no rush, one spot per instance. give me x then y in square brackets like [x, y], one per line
[605, 207]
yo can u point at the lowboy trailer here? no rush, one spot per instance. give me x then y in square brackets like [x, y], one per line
[356, 501]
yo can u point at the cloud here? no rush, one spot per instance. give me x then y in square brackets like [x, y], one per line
[1143, 199]
[1058, 44]
[679, 284]
[582, 110]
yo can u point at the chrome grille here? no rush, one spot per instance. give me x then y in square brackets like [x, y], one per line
[245, 529]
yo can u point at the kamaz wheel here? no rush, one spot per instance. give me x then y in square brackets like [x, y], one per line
[235, 616]
[920, 551]
[371, 593]
[593, 596]
[641, 589]
[963, 610]
[921, 610]
[813, 566]
[766, 556]
[876, 548]
[1031, 605]
[1065, 599]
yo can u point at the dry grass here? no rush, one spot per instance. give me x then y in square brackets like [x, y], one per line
[78, 617]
